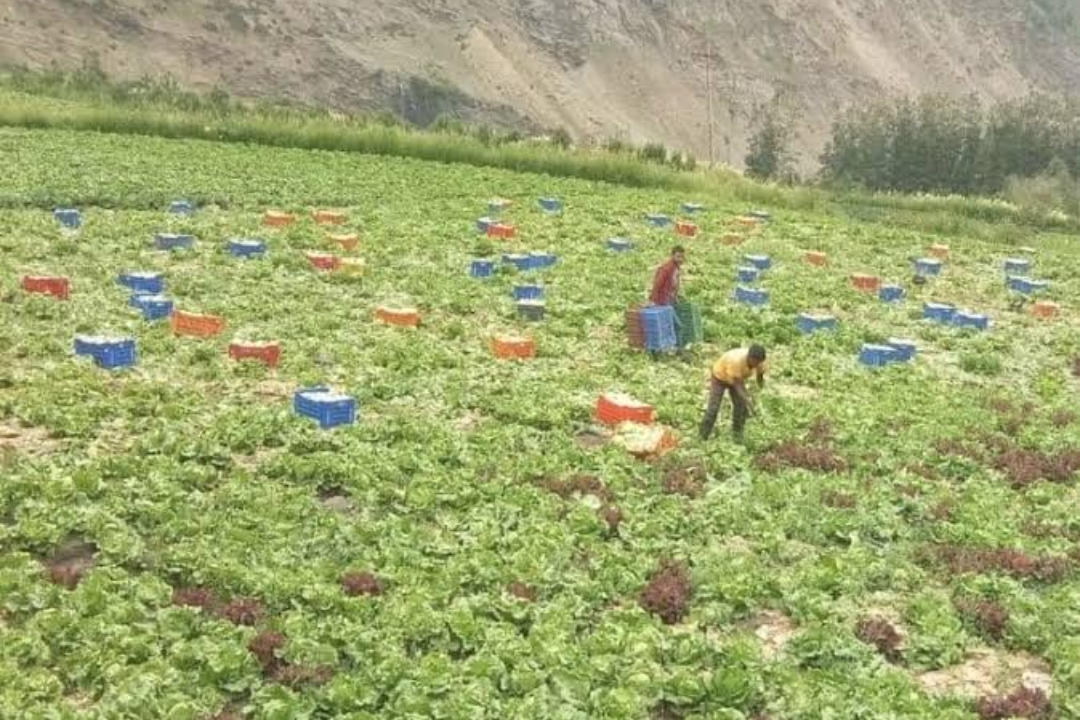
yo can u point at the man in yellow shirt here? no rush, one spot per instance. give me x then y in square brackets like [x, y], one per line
[729, 374]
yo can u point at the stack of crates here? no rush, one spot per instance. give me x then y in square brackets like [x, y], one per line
[689, 328]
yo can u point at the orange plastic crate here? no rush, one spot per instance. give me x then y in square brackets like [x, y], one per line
[686, 229]
[500, 230]
[346, 242]
[1045, 309]
[328, 217]
[732, 240]
[403, 317]
[613, 409]
[513, 347]
[276, 218]
[268, 354]
[195, 325]
[819, 259]
[941, 252]
[58, 287]
[866, 283]
[321, 261]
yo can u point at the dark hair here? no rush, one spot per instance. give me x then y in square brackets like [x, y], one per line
[757, 353]
[678, 249]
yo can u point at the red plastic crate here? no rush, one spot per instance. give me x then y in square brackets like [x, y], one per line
[500, 230]
[195, 325]
[58, 287]
[322, 261]
[866, 283]
[268, 354]
[614, 409]
[686, 229]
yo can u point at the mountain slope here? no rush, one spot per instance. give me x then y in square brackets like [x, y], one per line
[636, 69]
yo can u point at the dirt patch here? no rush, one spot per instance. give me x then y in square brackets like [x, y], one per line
[468, 422]
[1022, 702]
[794, 454]
[577, 485]
[338, 503]
[986, 672]
[591, 439]
[522, 591]
[70, 561]
[252, 462]
[774, 630]
[668, 592]
[27, 441]
[272, 391]
[988, 618]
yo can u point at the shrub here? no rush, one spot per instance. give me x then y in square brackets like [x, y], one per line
[653, 153]
[982, 363]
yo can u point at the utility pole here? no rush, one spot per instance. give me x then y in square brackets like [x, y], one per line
[707, 57]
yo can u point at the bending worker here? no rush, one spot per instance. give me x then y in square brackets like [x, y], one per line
[665, 287]
[729, 375]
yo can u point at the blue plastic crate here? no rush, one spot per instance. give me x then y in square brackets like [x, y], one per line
[891, 293]
[483, 224]
[928, 267]
[532, 310]
[975, 321]
[692, 208]
[747, 274]
[751, 296]
[939, 312]
[330, 409]
[181, 207]
[1027, 286]
[761, 262]
[150, 283]
[520, 261]
[541, 260]
[247, 248]
[68, 217]
[482, 268]
[657, 220]
[905, 348]
[528, 292]
[1017, 267]
[878, 355]
[619, 245]
[658, 327]
[152, 307]
[809, 324]
[171, 241]
[107, 352]
[551, 205]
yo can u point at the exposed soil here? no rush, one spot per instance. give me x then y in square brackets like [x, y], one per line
[358, 584]
[591, 439]
[774, 630]
[613, 516]
[338, 503]
[195, 597]
[27, 441]
[1062, 418]
[985, 673]
[271, 391]
[522, 591]
[668, 592]
[70, 561]
[577, 485]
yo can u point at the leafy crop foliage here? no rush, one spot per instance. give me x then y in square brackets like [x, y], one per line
[177, 543]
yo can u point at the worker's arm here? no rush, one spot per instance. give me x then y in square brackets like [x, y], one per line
[761, 378]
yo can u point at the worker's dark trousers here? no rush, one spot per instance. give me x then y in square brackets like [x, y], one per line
[716, 396]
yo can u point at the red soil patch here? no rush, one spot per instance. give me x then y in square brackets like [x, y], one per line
[522, 591]
[667, 594]
[688, 480]
[793, 454]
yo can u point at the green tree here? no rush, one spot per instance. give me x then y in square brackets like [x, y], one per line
[769, 157]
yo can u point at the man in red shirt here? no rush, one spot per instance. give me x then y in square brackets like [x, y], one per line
[665, 287]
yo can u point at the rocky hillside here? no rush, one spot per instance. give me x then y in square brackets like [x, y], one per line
[638, 69]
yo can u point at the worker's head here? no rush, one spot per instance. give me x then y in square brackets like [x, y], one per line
[755, 356]
[678, 254]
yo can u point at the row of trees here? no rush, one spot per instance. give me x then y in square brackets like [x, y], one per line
[933, 143]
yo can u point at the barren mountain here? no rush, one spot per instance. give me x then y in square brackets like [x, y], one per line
[636, 69]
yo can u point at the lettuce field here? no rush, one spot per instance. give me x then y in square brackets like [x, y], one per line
[176, 542]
